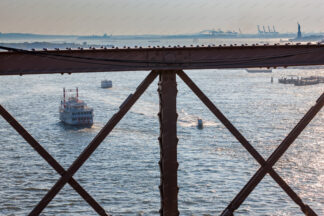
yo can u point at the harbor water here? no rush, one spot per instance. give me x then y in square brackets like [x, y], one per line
[123, 173]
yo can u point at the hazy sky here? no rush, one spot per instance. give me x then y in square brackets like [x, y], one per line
[86, 17]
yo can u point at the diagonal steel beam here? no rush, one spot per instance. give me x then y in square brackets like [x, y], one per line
[274, 157]
[50, 160]
[243, 141]
[123, 109]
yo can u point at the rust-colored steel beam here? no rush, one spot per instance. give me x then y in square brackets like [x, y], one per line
[168, 143]
[274, 157]
[51, 161]
[104, 132]
[245, 143]
[18, 62]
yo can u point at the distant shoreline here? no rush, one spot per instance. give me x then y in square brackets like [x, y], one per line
[21, 36]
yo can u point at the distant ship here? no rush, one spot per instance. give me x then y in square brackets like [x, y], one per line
[256, 70]
[74, 111]
[94, 37]
[106, 84]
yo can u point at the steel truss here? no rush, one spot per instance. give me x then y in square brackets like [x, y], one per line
[168, 144]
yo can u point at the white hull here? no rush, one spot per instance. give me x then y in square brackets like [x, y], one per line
[76, 118]
[106, 84]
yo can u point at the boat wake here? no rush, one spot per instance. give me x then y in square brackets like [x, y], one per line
[187, 120]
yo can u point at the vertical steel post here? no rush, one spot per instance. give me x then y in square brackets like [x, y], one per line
[168, 143]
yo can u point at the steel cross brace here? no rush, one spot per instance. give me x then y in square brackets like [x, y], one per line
[274, 157]
[305, 208]
[66, 176]
[50, 160]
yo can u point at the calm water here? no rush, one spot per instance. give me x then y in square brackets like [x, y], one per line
[123, 173]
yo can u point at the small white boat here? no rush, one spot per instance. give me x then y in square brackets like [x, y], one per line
[106, 84]
[74, 111]
[200, 124]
